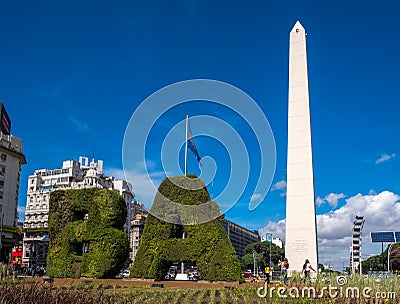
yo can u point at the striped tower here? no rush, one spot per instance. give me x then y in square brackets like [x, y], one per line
[301, 231]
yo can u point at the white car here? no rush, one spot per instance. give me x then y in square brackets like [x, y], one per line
[126, 273]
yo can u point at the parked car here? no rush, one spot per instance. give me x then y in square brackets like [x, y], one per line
[247, 276]
[194, 275]
[125, 274]
[171, 274]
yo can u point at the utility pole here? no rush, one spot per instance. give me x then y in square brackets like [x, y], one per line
[270, 252]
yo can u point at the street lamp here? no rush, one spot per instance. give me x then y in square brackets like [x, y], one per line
[269, 239]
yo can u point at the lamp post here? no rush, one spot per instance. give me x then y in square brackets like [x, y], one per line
[270, 254]
[269, 239]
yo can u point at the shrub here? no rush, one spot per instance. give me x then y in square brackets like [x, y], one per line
[205, 245]
[101, 230]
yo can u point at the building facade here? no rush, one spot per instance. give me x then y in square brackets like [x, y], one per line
[137, 228]
[276, 241]
[73, 175]
[125, 190]
[11, 160]
[239, 236]
[139, 215]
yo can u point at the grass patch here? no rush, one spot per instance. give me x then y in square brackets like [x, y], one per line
[28, 291]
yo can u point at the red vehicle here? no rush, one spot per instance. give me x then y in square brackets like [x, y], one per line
[16, 256]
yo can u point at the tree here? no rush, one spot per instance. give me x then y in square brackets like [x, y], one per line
[247, 262]
[262, 255]
[379, 262]
[395, 257]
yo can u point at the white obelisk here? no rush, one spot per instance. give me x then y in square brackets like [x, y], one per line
[301, 230]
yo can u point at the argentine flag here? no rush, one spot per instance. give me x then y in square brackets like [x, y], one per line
[191, 144]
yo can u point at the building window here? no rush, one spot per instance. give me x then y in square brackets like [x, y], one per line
[3, 157]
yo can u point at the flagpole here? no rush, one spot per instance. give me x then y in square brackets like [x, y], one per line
[186, 142]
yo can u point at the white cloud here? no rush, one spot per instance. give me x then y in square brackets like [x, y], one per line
[145, 189]
[381, 212]
[256, 197]
[319, 201]
[277, 229]
[384, 158]
[281, 186]
[332, 199]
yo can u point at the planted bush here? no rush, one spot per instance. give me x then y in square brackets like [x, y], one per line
[86, 233]
[205, 245]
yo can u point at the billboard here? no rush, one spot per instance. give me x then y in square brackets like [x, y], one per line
[5, 122]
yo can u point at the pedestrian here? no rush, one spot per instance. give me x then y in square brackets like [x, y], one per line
[284, 267]
[306, 269]
[267, 274]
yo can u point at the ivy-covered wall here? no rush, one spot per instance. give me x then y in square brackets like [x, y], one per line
[206, 245]
[86, 217]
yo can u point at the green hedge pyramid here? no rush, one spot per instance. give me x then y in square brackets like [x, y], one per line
[206, 244]
[91, 219]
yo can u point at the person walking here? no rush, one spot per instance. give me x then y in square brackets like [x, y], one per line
[267, 274]
[306, 269]
[284, 267]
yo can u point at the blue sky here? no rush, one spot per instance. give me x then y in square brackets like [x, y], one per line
[73, 73]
